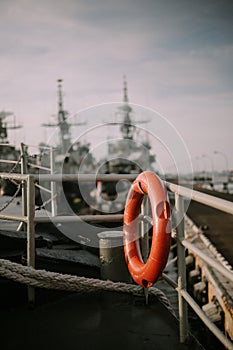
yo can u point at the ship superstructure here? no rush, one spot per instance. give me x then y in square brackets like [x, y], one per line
[9, 154]
[130, 153]
[68, 154]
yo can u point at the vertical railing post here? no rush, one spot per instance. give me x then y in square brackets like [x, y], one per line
[145, 238]
[24, 183]
[31, 232]
[144, 230]
[183, 311]
[53, 183]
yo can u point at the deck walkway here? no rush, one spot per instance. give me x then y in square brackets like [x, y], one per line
[104, 320]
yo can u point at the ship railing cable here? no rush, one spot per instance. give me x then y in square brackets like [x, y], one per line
[7, 203]
[72, 283]
[43, 206]
[13, 170]
[18, 189]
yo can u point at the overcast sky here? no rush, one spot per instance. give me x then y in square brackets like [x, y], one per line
[177, 55]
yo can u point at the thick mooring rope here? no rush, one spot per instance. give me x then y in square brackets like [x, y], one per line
[53, 280]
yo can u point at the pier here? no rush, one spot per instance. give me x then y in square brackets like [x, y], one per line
[210, 230]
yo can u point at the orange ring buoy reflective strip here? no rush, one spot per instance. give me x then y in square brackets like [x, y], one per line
[146, 274]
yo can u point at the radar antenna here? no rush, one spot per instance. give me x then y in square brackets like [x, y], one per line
[4, 127]
[62, 122]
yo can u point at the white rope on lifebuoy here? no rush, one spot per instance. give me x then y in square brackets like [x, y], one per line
[53, 280]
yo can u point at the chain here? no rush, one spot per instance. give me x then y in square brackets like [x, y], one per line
[42, 206]
[6, 204]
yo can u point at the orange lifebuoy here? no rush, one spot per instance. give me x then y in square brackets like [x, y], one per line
[146, 274]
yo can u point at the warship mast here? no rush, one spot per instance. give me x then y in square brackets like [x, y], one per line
[4, 127]
[64, 127]
[62, 123]
[127, 128]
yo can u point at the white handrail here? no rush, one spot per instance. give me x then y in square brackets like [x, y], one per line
[203, 198]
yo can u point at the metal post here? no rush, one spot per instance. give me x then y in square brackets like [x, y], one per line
[145, 240]
[53, 184]
[183, 311]
[31, 232]
[144, 230]
[24, 184]
[111, 249]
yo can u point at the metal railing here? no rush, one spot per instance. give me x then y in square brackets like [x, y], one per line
[25, 164]
[184, 298]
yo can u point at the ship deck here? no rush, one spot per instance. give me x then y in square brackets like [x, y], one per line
[100, 320]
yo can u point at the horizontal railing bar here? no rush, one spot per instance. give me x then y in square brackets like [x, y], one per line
[13, 218]
[9, 161]
[14, 176]
[72, 177]
[217, 203]
[42, 147]
[86, 177]
[228, 274]
[81, 218]
[38, 166]
[7, 144]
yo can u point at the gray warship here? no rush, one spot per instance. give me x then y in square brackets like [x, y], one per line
[9, 154]
[127, 154]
